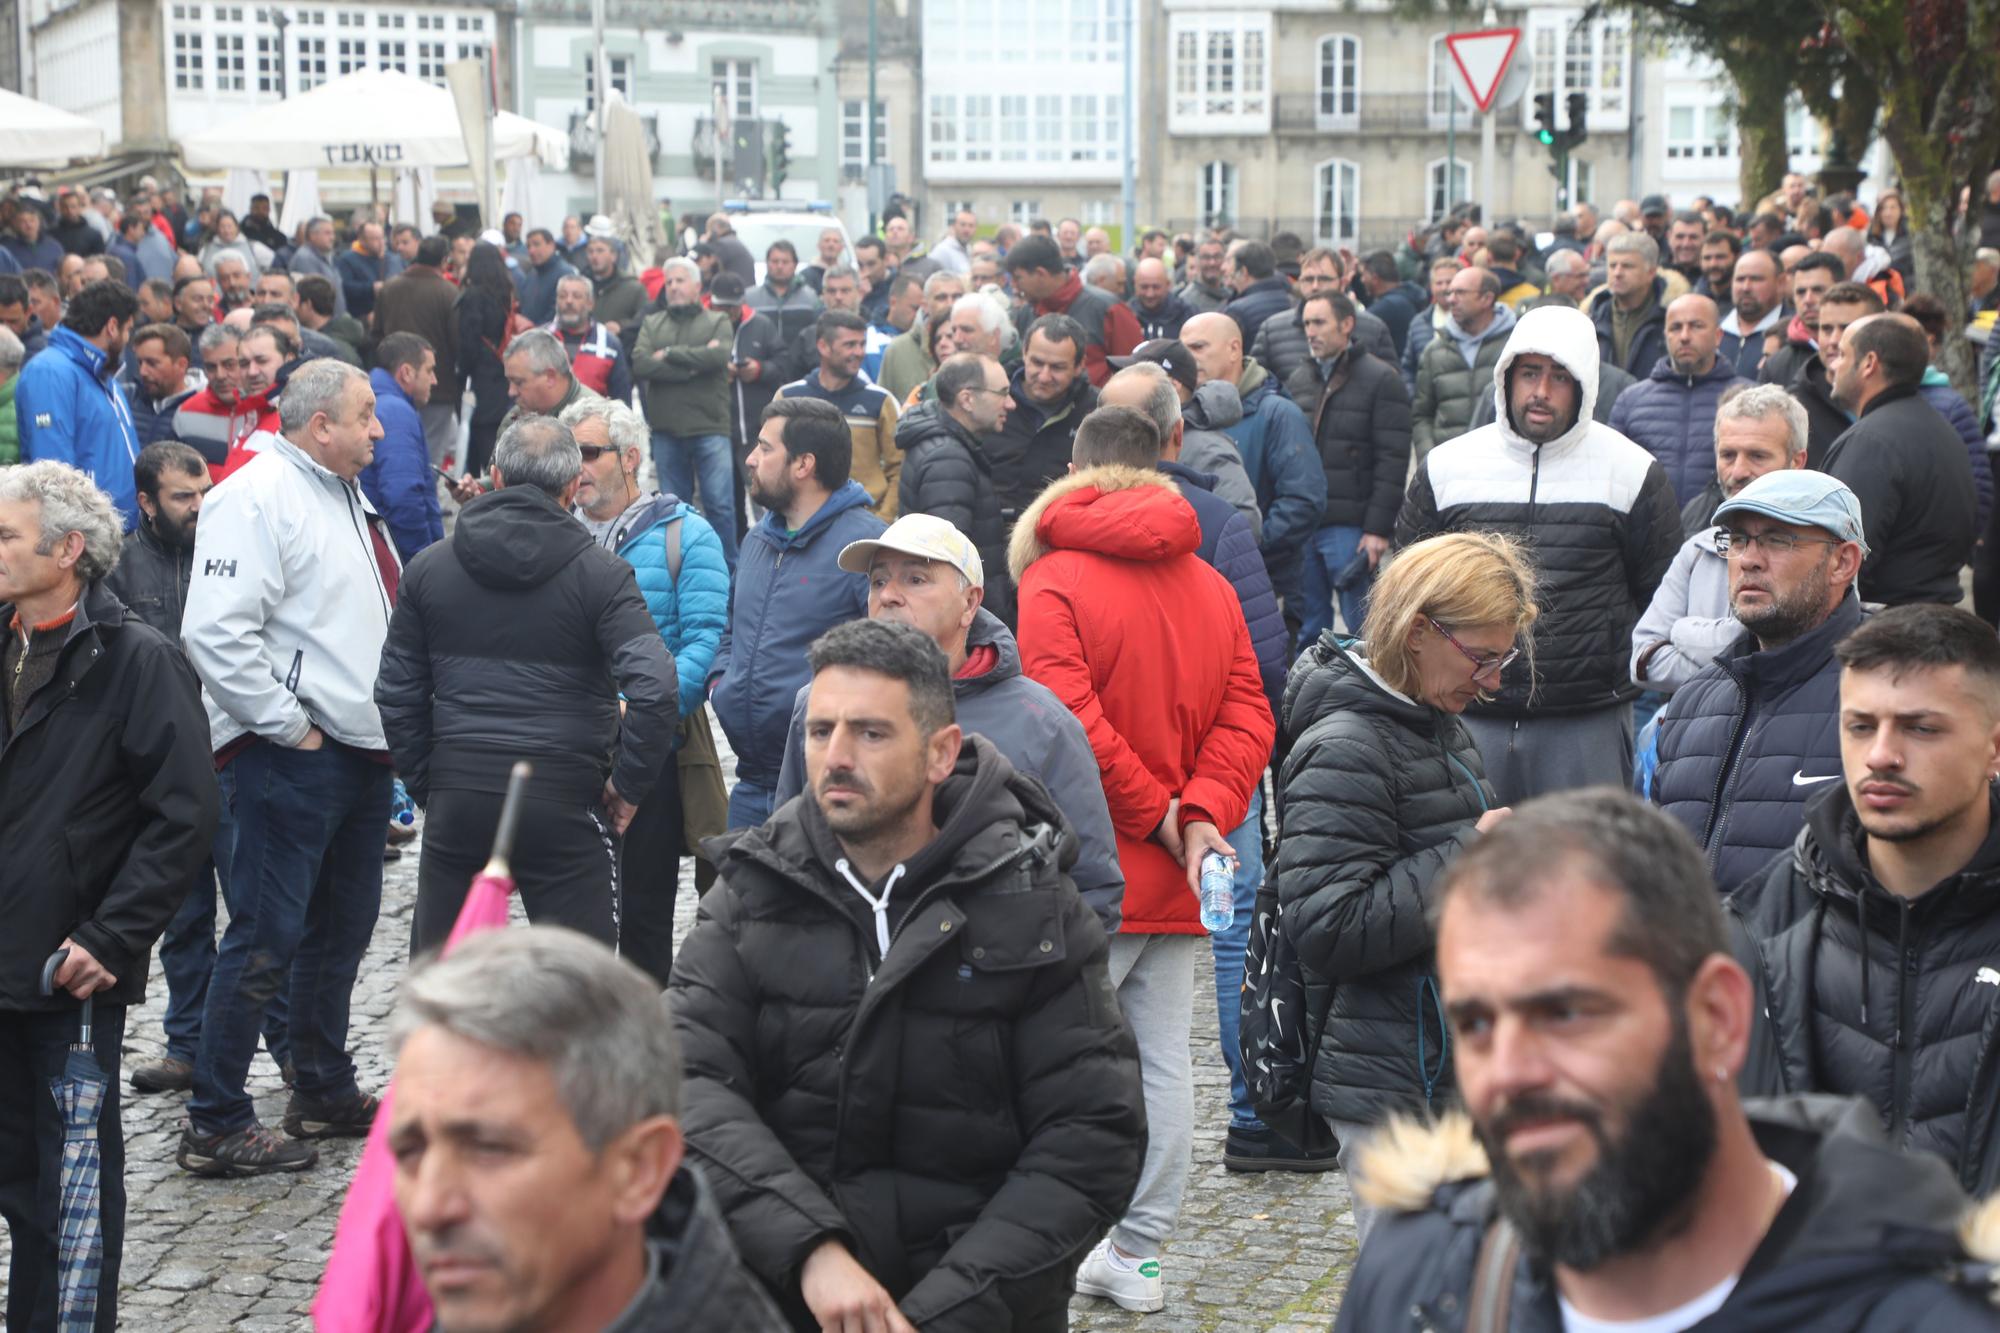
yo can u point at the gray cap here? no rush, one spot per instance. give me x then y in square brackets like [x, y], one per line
[1803, 497]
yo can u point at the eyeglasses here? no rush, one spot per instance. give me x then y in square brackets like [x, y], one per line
[592, 452]
[1733, 542]
[1482, 663]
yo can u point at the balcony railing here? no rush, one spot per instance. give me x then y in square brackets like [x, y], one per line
[1373, 113]
[583, 134]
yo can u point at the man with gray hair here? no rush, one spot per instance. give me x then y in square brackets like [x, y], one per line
[1631, 311]
[1758, 429]
[316, 257]
[1106, 272]
[520, 637]
[682, 366]
[1568, 281]
[110, 808]
[287, 610]
[546, 1040]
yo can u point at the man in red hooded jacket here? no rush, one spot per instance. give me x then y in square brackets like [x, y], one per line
[1146, 644]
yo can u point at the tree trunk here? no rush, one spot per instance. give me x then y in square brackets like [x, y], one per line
[1930, 196]
[1762, 85]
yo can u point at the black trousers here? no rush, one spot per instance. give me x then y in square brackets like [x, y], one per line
[649, 874]
[565, 864]
[479, 448]
[34, 1047]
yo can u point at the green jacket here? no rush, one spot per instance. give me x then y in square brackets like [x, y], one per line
[10, 430]
[906, 363]
[681, 366]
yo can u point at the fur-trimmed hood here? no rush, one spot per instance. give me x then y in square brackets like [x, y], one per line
[1126, 513]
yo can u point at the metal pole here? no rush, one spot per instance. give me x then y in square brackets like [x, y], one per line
[1488, 130]
[868, 148]
[1128, 184]
[1450, 151]
[601, 78]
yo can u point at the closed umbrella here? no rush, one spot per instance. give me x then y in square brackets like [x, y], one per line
[371, 1283]
[79, 1092]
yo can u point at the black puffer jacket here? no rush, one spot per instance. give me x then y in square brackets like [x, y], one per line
[1867, 994]
[947, 474]
[1867, 1243]
[151, 578]
[1376, 797]
[964, 1111]
[1360, 416]
[111, 803]
[1826, 420]
[515, 640]
[1032, 448]
[1908, 468]
[1281, 346]
[698, 1280]
[1594, 510]
[1749, 741]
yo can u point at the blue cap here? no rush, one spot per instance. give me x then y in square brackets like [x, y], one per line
[1802, 497]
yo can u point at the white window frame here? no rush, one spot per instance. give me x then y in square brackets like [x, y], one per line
[1097, 213]
[189, 58]
[1434, 177]
[1438, 87]
[618, 74]
[737, 78]
[1217, 193]
[1329, 227]
[941, 138]
[854, 155]
[1337, 82]
[1021, 212]
[1594, 58]
[1219, 75]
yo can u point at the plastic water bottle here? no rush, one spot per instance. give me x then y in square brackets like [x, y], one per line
[1218, 892]
[402, 810]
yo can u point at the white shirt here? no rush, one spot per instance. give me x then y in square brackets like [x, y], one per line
[1681, 1316]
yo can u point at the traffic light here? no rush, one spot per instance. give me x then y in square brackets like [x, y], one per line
[781, 155]
[1545, 119]
[1579, 129]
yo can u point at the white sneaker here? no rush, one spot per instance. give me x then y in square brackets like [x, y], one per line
[1136, 1289]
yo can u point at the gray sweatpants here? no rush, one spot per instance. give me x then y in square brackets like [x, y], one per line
[1154, 976]
[1353, 1138]
[441, 429]
[1530, 756]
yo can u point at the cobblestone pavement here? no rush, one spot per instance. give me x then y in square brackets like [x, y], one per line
[1253, 1252]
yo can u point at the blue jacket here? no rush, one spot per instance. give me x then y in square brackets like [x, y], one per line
[358, 276]
[400, 483]
[1228, 544]
[1276, 442]
[789, 591]
[1951, 405]
[538, 287]
[153, 421]
[1745, 744]
[693, 611]
[72, 409]
[1258, 302]
[1672, 417]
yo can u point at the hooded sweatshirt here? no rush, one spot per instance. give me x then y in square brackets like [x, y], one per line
[1595, 508]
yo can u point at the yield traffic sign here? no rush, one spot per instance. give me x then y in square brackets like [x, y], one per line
[1481, 59]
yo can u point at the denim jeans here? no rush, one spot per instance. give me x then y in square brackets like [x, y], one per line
[749, 805]
[304, 888]
[1328, 552]
[682, 460]
[1228, 950]
[187, 959]
[34, 1047]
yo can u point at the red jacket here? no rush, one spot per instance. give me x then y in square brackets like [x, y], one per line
[1146, 644]
[220, 432]
[1110, 328]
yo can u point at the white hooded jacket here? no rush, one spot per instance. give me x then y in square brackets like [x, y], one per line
[287, 610]
[1594, 510]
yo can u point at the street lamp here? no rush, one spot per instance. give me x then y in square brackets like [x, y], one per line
[281, 20]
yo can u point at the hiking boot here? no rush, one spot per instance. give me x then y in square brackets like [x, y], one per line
[253, 1151]
[1264, 1149]
[165, 1074]
[1135, 1288]
[349, 1119]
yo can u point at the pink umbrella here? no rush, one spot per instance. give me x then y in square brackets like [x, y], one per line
[371, 1283]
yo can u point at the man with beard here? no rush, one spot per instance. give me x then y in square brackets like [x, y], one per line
[596, 356]
[69, 404]
[1871, 944]
[618, 298]
[1601, 512]
[789, 586]
[1752, 737]
[1597, 1027]
[1759, 429]
[1905, 462]
[214, 421]
[936, 1148]
[1719, 250]
[232, 279]
[160, 355]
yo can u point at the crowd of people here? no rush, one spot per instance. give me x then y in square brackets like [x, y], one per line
[1035, 588]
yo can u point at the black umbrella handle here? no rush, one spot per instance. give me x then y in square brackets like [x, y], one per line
[49, 970]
